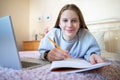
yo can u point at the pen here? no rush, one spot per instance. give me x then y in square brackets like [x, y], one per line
[56, 45]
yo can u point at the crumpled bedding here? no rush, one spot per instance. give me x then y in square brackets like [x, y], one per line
[111, 72]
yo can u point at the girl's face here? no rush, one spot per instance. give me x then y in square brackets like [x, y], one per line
[69, 24]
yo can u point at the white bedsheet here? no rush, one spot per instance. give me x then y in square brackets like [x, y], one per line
[29, 54]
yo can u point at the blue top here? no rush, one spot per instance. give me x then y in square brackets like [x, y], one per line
[81, 47]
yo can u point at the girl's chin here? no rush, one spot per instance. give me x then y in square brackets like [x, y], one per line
[69, 35]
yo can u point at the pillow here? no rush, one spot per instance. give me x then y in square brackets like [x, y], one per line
[99, 36]
[111, 56]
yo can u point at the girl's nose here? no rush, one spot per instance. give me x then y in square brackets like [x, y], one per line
[69, 24]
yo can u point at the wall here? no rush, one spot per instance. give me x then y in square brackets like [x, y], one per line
[19, 11]
[95, 10]
[25, 14]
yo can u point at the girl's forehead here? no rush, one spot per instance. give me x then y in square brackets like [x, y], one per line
[69, 13]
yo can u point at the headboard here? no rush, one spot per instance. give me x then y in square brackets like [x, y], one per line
[107, 33]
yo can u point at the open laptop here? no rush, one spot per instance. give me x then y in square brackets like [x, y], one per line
[9, 55]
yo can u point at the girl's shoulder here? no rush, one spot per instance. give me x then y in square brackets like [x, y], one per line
[54, 32]
[85, 33]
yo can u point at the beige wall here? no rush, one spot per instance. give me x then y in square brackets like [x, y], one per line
[19, 11]
[25, 14]
[95, 10]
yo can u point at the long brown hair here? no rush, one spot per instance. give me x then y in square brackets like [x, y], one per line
[78, 12]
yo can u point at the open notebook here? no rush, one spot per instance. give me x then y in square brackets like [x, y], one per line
[72, 65]
[9, 56]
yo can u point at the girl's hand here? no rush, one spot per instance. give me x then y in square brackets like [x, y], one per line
[57, 54]
[94, 58]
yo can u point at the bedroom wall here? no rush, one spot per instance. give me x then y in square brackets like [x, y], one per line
[29, 16]
[95, 10]
[19, 11]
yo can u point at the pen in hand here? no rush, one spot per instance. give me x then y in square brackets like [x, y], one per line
[56, 45]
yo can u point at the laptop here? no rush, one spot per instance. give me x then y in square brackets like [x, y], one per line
[9, 54]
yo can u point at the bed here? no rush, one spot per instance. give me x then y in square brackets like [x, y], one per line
[110, 72]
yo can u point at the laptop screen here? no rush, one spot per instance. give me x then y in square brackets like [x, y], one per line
[8, 50]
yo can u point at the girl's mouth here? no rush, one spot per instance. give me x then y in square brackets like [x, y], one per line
[69, 31]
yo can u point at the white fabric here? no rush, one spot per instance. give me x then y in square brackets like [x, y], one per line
[29, 54]
[99, 36]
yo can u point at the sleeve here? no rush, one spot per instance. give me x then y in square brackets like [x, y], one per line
[43, 56]
[46, 45]
[43, 48]
[92, 49]
[90, 46]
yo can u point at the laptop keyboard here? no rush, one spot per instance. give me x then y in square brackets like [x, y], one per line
[31, 65]
[28, 64]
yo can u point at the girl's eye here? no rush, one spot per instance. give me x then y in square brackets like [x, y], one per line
[65, 20]
[74, 21]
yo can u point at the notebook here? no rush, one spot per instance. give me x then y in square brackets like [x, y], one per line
[78, 65]
[9, 55]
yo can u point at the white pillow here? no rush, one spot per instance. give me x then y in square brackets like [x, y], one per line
[111, 56]
[99, 36]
